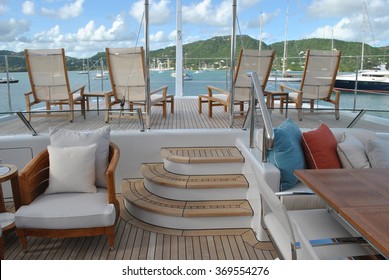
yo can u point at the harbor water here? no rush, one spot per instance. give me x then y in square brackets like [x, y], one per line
[12, 99]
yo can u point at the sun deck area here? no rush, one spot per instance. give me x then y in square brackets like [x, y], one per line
[137, 240]
[186, 116]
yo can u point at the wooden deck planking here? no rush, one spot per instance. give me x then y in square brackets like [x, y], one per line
[185, 116]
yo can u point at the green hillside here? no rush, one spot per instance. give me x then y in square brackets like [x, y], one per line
[215, 52]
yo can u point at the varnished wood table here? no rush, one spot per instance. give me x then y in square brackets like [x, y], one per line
[97, 95]
[9, 172]
[360, 196]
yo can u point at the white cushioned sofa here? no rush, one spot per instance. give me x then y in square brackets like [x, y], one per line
[355, 148]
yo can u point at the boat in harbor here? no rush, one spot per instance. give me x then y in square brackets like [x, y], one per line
[185, 76]
[370, 80]
[10, 80]
[100, 76]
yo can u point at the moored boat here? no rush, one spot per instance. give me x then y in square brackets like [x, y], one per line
[374, 80]
[10, 80]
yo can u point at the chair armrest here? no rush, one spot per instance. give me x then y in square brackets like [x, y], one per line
[34, 178]
[28, 99]
[212, 88]
[283, 87]
[28, 93]
[163, 89]
[114, 155]
[80, 89]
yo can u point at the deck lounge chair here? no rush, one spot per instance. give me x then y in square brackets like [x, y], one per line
[50, 84]
[55, 205]
[128, 79]
[248, 61]
[317, 82]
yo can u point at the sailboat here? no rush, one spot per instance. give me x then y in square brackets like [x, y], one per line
[373, 80]
[285, 76]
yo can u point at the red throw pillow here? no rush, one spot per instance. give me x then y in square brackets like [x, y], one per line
[320, 148]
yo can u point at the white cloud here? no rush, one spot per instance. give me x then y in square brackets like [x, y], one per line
[332, 8]
[3, 9]
[12, 28]
[28, 8]
[206, 12]
[70, 10]
[159, 12]
[158, 37]
[350, 26]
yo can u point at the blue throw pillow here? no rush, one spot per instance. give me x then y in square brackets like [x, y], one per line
[287, 154]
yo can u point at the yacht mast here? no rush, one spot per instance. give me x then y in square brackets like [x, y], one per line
[147, 64]
[363, 34]
[260, 30]
[285, 41]
[179, 66]
[232, 67]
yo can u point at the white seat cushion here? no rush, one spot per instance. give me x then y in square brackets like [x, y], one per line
[66, 211]
[6, 218]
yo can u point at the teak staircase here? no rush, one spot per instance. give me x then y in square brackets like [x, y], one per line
[193, 188]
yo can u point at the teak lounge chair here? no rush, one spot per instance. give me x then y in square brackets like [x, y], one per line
[318, 81]
[50, 84]
[128, 79]
[66, 214]
[259, 61]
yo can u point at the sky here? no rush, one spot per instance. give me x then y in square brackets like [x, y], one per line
[85, 27]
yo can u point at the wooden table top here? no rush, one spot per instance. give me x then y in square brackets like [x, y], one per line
[360, 196]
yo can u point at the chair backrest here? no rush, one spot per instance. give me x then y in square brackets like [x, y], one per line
[319, 74]
[249, 60]
[48, 75]
[127, 72]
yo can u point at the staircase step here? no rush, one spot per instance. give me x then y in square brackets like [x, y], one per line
[156, 173]
[186, 214]
[202, 160]
[202, 154]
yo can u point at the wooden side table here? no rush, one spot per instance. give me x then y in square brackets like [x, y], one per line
[277, 95]
[98, 94]
[9, 172]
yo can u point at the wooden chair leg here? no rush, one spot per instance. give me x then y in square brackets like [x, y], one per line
[164, 109]
[210, 108]
[172, 104]
[22, 239]
[200, 104]
[1, 248]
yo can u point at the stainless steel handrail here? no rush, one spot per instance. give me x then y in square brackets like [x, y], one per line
[268, 132]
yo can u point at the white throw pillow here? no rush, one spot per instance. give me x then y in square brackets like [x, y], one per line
[100, 137]
[378, 153]
[72, 169]
[352, 153]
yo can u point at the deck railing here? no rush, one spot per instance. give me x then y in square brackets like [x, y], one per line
[256, 94]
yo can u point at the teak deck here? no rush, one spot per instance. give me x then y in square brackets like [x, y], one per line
[135, 240]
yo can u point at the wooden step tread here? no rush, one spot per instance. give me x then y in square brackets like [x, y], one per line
[156, 173]
[202, 154]
[134, 191]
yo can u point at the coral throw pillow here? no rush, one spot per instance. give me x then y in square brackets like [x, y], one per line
[319, 147]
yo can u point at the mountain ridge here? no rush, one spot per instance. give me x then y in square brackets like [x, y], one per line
[202, 53]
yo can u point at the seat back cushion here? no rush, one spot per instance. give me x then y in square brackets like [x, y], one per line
[320, 148]
[72, 169]
[100, 137]
[378, 153]
[287, 153]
